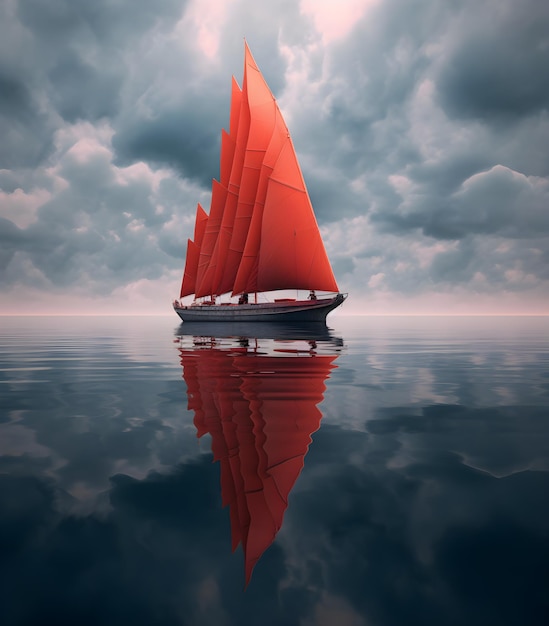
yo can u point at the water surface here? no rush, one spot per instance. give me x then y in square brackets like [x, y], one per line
[381, 471]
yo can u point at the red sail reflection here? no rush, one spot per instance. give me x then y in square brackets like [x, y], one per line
[258, 401]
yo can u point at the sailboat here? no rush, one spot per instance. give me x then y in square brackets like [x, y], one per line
[260, 235]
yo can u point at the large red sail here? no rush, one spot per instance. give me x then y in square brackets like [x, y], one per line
[246, 278]
[261, 233]
[292, 254]
[262, 108]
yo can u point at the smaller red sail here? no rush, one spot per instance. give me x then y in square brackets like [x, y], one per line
[200, 225]
[206, 271]
[219, 258]
[228, 140]
[228, 146]
[188, 285]
[236, 103]
[204, 278]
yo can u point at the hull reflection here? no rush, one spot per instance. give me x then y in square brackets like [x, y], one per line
[312, 331]
[257, 397]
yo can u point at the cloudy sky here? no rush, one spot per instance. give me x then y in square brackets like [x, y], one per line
[422, 128]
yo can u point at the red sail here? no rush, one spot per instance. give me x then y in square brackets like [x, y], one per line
[236, 103]
[260, 412]
[213, 276]
[204, 277]
[228, 140]
[261, 234]
[200, 225]
[292, 254]
[207, 266]
[246, 279]
[219, 258]
[188, 284]
[262, 107]
[225, 232]
[228, 146]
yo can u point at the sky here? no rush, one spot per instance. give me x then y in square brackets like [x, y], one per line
[421, 126]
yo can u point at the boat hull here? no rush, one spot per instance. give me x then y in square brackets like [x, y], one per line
[282, 311]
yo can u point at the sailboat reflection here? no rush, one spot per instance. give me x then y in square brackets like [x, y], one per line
[256, 391]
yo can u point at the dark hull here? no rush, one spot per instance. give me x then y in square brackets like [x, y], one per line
[294, 311]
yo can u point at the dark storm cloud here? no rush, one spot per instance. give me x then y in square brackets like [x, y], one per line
[263, 25]
[497, 202]
[503, 266]
[112, 24]
[25, 129]
[65, 58]
[11, 239]
[372, 73]
[181, 139]
[331, 197]
[79, 91]
[495, 70]
[366, 122]
[184, 129]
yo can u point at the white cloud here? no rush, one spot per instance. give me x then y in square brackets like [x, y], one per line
[206, 18]
[20, 207]
[333, 20]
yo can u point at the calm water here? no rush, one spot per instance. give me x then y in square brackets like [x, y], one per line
[387, 471]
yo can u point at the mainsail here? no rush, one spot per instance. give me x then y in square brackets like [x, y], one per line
[261, 233]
